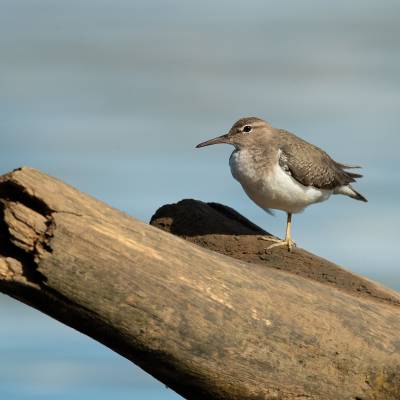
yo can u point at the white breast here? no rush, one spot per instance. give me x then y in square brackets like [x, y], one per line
[271, 186]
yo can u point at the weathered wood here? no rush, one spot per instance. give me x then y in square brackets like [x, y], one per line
[208, 326]
[222, 229]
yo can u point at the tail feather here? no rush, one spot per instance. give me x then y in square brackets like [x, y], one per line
[347, 166]
[349, 191]
[359, 196]
[353, 175]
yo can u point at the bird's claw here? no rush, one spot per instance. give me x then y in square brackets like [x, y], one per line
[270, 238]
[279, 242]
[286, 242]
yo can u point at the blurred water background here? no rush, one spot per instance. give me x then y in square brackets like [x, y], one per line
[112, 97]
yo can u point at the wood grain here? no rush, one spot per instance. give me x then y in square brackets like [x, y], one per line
[205, 324]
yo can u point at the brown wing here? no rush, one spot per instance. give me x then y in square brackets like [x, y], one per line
[310, 165]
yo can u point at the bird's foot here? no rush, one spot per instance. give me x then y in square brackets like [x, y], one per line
[270, 239]
[289, 243]
[285, 242]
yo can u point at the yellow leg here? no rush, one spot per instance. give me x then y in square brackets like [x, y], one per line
[288, 237]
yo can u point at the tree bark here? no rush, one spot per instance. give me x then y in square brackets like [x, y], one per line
[207, 325]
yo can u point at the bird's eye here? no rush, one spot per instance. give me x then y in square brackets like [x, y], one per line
[247, 128]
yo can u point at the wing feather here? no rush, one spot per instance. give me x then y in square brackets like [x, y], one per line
[311, 166]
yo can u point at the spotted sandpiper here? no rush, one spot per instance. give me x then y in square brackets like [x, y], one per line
[279, 170]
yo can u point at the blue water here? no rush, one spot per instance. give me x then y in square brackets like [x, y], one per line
[112, 96]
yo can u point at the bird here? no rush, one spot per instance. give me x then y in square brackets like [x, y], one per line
[279, 170]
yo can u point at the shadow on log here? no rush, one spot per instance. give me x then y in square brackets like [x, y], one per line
[222, 229]
[266, 325]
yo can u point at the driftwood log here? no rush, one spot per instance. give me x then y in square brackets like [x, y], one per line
[266, 325]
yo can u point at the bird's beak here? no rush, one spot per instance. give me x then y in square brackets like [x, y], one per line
[217, 140]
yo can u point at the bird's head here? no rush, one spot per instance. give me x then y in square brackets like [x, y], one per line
[243, 133]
